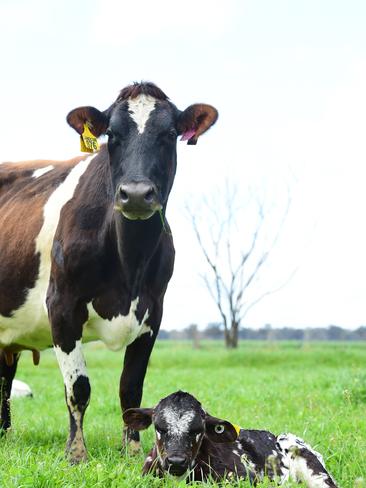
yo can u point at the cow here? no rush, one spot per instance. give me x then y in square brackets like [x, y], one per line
[192, 444]
[86, 252]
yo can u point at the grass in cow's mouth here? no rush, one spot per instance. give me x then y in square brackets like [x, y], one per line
[276, 386]
[163, 221]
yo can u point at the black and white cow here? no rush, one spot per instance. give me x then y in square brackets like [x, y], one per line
[191, 443]
[85, 249]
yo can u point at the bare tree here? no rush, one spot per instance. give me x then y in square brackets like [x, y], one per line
[236, 253]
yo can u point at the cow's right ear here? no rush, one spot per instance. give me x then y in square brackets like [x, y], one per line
[97, 121]
[138, 418]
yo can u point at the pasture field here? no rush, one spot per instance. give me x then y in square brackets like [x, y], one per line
[316, 390]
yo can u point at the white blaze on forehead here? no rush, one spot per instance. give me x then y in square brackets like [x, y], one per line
[140, 109]
[177, 422]
[72, 365]
[41, 171]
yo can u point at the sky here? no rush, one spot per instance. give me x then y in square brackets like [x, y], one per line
[289, 81]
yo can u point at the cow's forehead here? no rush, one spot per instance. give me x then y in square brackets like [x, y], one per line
[142, 110]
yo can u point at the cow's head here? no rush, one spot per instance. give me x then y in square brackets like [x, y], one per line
[142, 127]
[180, 425]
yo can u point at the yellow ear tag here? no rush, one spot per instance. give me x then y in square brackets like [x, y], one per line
[237, 428]
[88, 142]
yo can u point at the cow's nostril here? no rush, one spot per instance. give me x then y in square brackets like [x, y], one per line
[149, 196]
[123, 195]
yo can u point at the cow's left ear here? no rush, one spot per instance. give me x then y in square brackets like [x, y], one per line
[195, 120]
[138, 418]
[97, 121]
[218, 430]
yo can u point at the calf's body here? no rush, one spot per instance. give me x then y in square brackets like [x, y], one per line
[193, 444]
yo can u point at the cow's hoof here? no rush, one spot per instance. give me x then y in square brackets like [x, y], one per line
[77, 457]
[131, 448]
[76, 453]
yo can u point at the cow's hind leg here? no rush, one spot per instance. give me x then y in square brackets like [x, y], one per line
[131, 384]
[8, 367]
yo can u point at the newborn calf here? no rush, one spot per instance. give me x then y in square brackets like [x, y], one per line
[193, 444]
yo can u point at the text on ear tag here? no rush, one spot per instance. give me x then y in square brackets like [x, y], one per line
[88, 142]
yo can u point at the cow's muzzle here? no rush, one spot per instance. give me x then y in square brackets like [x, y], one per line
[137, 201]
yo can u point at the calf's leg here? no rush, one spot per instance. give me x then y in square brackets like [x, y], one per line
[8, 367]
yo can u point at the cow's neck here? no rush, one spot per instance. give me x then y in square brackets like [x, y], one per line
[136, 242]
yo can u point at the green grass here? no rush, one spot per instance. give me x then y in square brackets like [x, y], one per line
[317, 391]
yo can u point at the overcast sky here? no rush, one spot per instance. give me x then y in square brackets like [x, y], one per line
[289, 81]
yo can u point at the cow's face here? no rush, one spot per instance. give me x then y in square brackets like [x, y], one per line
[142, 128]
[180, 425]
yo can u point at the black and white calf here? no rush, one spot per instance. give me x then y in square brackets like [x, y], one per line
[192, 443]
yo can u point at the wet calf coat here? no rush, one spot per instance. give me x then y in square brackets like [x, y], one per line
[192, 443]
[86, 252]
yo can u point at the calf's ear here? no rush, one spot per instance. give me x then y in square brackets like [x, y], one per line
[97, 121]
[195, 120]
[138, 418]
[218, 430]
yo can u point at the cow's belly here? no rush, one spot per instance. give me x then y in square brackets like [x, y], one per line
[118, 332]
[29, 328]
[29, 325]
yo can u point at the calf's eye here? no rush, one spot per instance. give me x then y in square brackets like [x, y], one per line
[219, 429]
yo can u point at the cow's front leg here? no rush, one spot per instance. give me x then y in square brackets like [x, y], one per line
[67, 332]
[132, 382]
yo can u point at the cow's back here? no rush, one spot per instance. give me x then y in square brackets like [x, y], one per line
[25, 188]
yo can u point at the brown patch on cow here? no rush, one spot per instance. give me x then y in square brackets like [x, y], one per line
[144, 88]
[22, 198]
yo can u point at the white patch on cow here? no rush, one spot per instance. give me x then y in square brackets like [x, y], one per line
[289, 441]
[41, 171]
[177, 423]
[297, 468]
[300, 472]
[72, 365]
[118, 332]
[20, 389]
[29, 325]
[140, 109]
[236, 452]
[198, 436]
[158, 435]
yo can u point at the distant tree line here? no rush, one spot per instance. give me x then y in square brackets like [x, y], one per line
[216, 331]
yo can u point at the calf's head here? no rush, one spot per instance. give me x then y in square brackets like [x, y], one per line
[180, 425]
[142, 127]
